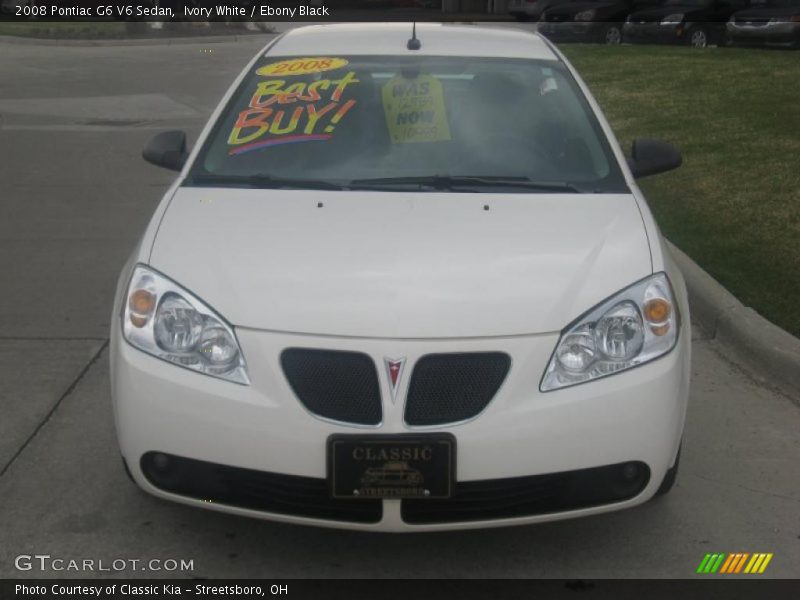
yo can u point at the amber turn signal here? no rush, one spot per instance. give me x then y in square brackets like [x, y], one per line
[142, 303]
[657, 312]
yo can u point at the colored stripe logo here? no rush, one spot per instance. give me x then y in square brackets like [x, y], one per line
[737, 562]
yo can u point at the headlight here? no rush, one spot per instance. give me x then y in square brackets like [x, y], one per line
[585, 15]
[673, 19]
[165, 320]
[635, 326]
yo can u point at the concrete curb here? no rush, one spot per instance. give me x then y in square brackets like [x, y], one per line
[774, 352]
[208, 39]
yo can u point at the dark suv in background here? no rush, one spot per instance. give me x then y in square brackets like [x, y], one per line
[694, 22]
[597, 21]
[531, 10]
[766, 23]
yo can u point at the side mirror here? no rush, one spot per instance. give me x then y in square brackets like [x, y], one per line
[649, 157]
[167, 149]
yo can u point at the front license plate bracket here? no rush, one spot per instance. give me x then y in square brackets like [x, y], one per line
[391, 466]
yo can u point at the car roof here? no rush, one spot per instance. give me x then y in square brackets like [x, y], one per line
[437, 39]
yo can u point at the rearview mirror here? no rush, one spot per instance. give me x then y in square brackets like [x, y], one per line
[167, 149]
[649, 157]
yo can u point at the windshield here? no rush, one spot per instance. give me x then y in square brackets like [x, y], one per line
[323, 122]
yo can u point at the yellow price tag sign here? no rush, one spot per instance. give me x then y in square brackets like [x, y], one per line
[301, 66]
[415, 109]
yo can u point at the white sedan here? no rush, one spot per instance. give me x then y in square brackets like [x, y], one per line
[405, 281]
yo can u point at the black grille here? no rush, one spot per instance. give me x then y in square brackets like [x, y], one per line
[337, 385]
[256, 490]
[526, 496]
[446, 388]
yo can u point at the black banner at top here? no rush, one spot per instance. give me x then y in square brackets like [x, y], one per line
[249, 10]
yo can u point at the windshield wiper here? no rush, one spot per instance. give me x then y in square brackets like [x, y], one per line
[448, 182]
[263, 181]
[437, 182]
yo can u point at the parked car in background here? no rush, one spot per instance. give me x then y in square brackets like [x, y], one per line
[531, 10]
[697, 23]
[598, 21]
[766, 23]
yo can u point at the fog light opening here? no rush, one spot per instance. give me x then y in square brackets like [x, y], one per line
[630, 471]
[161, 462]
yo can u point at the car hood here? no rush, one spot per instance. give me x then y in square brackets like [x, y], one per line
[401, 265]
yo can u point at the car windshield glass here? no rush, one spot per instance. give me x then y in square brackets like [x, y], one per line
[444, 123]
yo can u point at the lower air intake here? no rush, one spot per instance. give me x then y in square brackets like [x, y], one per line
[256, 490]
[536, 495]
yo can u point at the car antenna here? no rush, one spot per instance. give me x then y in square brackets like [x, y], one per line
[414, 43]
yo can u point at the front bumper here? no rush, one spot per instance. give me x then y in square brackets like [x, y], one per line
[573, 31]
[654, 33]
[785, 34]
[633, 416]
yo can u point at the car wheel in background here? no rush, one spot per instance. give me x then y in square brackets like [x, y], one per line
[698, 38]
[612, 35]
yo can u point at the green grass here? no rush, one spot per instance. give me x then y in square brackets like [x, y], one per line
[734, 205]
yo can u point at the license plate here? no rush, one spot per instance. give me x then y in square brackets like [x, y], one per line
[385, 466]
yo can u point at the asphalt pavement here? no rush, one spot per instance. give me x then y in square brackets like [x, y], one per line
[74, 197]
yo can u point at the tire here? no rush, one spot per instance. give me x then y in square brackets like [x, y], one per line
[669, 477]
[697, 37]
[612, 36]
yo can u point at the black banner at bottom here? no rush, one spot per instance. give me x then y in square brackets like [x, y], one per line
[397, 589]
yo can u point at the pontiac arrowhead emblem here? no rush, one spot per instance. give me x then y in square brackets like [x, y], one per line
[394, 371]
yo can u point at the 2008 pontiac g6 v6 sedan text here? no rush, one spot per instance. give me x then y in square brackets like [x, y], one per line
[405, 281]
